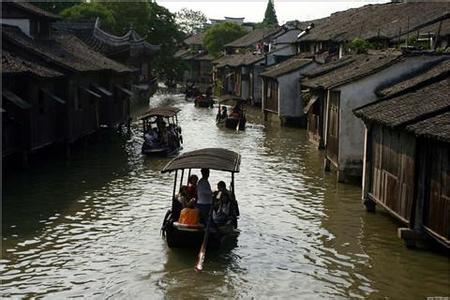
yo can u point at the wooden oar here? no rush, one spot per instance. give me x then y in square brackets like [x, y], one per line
[202, 252]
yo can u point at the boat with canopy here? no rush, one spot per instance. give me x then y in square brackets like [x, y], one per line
[234, 119]
[181, 235]
[162, 133]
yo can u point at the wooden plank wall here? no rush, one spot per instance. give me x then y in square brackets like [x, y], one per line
[271, 91]
[393, 178]
[437, 206]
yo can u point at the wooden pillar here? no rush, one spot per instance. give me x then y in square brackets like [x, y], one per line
[367, 170]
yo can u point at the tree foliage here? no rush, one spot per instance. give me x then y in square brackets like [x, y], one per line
[89, 12]
[218, 35]
[360, 46]
[56, 6]
[129, 15]
[190, 21]
[270, 16]
[147, 18]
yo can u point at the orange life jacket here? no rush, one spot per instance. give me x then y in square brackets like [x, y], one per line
[189, 216]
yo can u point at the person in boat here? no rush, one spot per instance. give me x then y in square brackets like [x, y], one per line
[222, 199]
[190, 214]
[172, 136]
[151, 137]
[223, 114]
[191, 189]
[235, 112]
[204, 196]
[163, 134]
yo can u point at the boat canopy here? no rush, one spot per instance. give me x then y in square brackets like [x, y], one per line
[231, 100]
[166, 112]
[208, 158]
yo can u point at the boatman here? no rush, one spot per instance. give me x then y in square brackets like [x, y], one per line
[204, 196]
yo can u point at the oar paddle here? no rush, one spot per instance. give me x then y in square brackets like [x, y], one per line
[202, 253]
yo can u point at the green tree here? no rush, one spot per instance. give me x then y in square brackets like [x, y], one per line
[56, 6]
[129, 15]
[190, 21]
[217, 36]
[270, 16]
[89, 12]
[360, 46]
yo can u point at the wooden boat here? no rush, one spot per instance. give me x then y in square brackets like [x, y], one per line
[236, 118]
[157, 123]
[204, 101]
[179, 235]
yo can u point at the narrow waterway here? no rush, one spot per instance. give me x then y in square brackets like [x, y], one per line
[90, 226]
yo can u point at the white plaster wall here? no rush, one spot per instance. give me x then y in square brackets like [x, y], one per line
[361, 92]
[23, 24]
[290, 99]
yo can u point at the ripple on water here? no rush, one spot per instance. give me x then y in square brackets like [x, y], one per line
[90, 227]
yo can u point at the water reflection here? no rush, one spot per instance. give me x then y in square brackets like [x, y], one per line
[90, 227]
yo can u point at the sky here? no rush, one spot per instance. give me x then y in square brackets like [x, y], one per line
[253, 10]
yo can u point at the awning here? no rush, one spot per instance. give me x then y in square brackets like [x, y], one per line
[91, 92]
[124, 90]
[310, 103]
[53, 96]
[103, 90]
[16, 99]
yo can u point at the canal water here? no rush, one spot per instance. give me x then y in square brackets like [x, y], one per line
[90, 226]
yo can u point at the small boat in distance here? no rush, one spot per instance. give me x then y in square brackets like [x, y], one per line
[234, 118]
[162, 134]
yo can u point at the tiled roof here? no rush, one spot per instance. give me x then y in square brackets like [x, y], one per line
[64, 50]
[106, 43]
[362, 66]
[254, 37]
[236, 60]
[441, 69]
[377, 20]
[437, 127]
[287, 66]
[409, 108]
[30, 8]
[195, 39]
[330, 66]
[12, 64]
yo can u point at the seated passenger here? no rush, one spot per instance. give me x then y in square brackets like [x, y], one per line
[189, 215]
[191, 189]
[151, 137]
[222, 211]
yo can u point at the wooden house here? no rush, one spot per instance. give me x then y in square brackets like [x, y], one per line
[31, 112]
[351, 86]
[130, 49]
[93, 88]
[407, 154]
[315, 100]
[280, 94]
[237, 75]
[197, 61]
[384, 25]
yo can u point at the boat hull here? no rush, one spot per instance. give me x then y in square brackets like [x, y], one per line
[179, 237]
[233, 123]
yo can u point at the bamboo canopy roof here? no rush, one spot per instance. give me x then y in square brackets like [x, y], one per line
[166, 112]
[208, 158]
